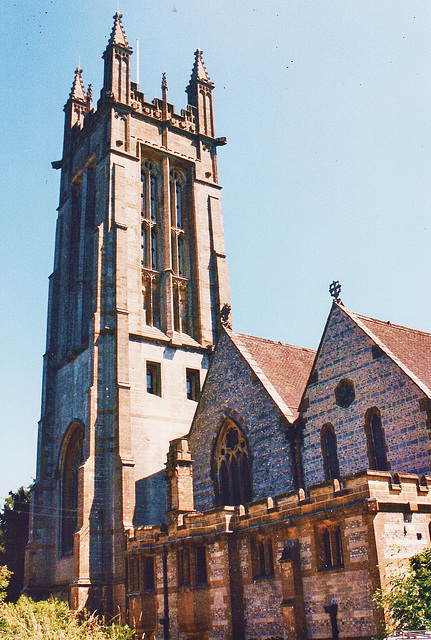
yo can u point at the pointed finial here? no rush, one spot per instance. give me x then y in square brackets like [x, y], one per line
[199, 73]
[334, 290]
[164, 87]
[77, 92]
[89, 95]
[118, 36]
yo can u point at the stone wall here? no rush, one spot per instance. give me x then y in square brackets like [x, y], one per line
[231, 391]
[346, 352]
[293, 597]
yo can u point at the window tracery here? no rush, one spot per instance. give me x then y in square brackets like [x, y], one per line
[150, 242]
[180, 253]
[232, 467]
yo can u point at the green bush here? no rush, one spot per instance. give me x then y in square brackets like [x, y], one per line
[5, 575]
[407, 602]
[53, 620]
[13, 539]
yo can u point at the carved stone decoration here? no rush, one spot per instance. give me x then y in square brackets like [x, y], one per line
[225, 316]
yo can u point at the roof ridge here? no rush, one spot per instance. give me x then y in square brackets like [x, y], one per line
[261, 375]
[388, 323]
[387, 348]
[285, 344]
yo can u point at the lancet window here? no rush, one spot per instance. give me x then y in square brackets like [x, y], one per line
[376, 442]
[151, 233]
[232, 467]
[180, 252]
[329, 452]
[72, 460]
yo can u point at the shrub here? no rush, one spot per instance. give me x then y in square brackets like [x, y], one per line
[53, 620]
[5, 575]
[13, 539]
[408, 600]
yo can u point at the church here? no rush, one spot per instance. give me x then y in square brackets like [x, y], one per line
[204, 483]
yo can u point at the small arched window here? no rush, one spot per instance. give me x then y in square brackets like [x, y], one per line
[72, 460]
[376, 443]
[232, 467]
[329, 452]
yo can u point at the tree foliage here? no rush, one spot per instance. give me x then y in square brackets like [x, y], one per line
[5, 575]
[53, 620]
[408, 600]
[14, 519]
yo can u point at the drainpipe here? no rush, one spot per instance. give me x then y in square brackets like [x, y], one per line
[332, 610]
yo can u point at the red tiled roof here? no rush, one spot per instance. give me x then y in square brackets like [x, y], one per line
[287, 367]
[410, 346]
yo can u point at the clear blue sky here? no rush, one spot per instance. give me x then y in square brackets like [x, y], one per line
[326, 105]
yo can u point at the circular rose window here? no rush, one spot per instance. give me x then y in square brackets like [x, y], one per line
[344, 393]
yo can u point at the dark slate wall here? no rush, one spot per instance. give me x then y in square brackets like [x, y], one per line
[230, 391]
[346, 352]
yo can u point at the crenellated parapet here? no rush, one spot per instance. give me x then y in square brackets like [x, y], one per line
[337, 542]
[376, 491]
[186, 120]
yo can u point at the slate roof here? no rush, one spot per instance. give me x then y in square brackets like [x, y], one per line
[409, 348]
[285, 367]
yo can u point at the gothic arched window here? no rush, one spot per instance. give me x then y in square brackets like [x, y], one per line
[376, 443]
[149, 191]
[144, 194]
[153, 196]
[178, 205]
[232, 467]
[329, 452]
[72, 460]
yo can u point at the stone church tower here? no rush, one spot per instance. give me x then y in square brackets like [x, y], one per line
[136, 297]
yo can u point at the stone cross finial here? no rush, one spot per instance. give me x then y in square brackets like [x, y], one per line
[334, 290]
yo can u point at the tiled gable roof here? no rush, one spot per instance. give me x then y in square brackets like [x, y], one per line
[410, 348]
[285, 366]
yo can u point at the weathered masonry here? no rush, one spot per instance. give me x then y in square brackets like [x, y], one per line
[207, 484]
[139, 283]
